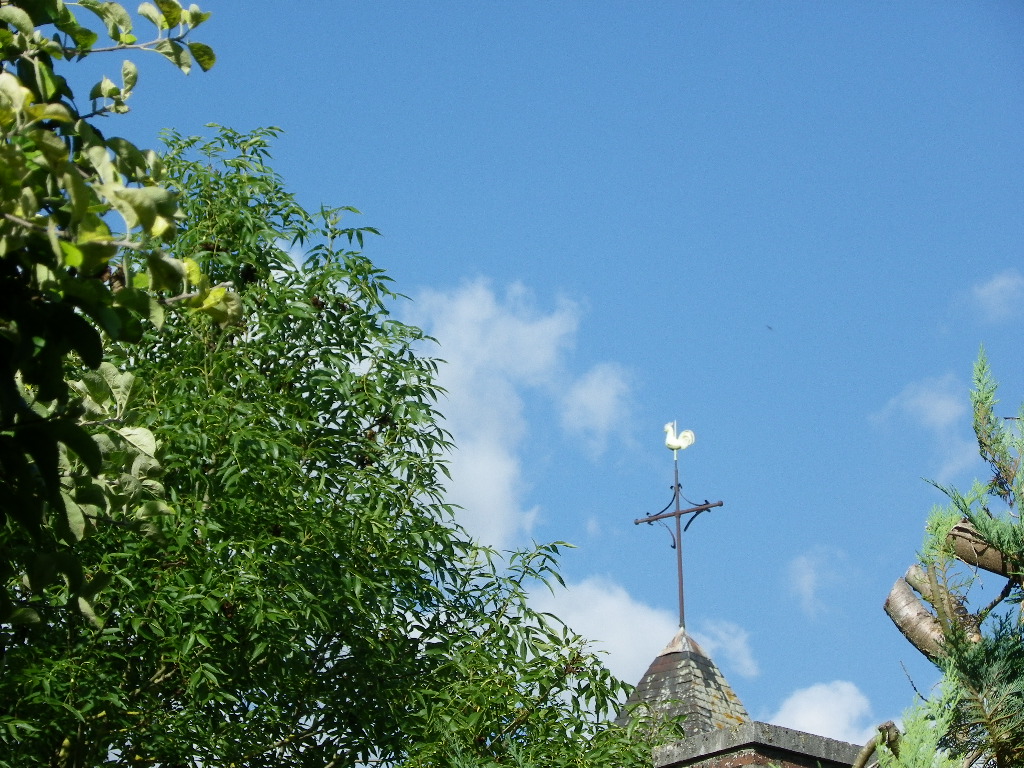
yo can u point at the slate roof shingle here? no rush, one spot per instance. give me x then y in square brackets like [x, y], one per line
[683, 679]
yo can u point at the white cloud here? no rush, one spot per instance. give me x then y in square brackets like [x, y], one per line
[488, 486]
[810, 573]
[493, 348]
[596, 405]
[633, 633]
[938, 405]
[498, 349]
[485, 335]
[728, 644]
[838, 710]
[630, 632]
[959, 455]
[804, 579]
[1001, 297]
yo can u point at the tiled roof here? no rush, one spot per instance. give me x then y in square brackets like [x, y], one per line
[683, 679]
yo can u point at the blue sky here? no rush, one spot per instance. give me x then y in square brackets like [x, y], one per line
[789, 226]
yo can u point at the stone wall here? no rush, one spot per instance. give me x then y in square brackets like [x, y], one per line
[754, 743]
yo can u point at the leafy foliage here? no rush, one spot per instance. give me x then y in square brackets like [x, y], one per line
[987, 717]
[981, 649]
[514, 687]
[67, 279]
[924, 726]
[304, 597]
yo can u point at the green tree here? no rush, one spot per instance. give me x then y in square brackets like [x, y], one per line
[82, 219]
[925, 725]
[979, 647]
[304, 597]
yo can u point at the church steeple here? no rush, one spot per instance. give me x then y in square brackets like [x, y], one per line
[682, 679]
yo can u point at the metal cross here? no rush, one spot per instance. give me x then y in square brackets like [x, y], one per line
[676, 444]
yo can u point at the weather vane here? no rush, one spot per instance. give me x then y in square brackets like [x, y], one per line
[678, 442]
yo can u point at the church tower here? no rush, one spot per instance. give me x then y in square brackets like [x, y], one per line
[683, 680]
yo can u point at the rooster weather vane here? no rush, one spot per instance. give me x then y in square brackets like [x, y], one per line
[678, 442]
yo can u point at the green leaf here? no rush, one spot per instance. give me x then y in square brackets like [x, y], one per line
[84, 37]
[204, 55]
[17, 18]
[165, 273]
[97, 389]
[142, 304]
[87, 611]
[128, 158]
[144, 207]
[105, 88]
[129, 74]
[196, 16]
[118, 383]
[56, 113]
[223, 306]
[93, 229]
[49, 86]
[153, 508]
[75, 517]
[171, 11]
[73, 256]
[140, 438]
[176, 53]
[150, 12]
[99, 158]
[115, 17]
[80, 194]
[52, 150]
[193, 272]
[13, 95]
[23, 617]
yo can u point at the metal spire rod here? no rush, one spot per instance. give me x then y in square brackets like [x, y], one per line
[677, 443]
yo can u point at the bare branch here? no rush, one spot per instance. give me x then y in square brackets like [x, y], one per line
[1003, 594]
[970, 547]
[915, 621]
[888, 734]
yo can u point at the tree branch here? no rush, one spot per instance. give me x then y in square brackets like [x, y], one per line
[294, 738]
[973, 549]
[1005, 593]
[185, 296]
[888, 734]
[61, 234]
[916, 623]
[128, 46]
